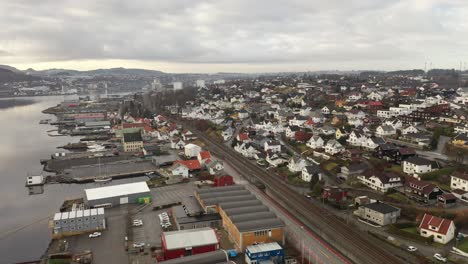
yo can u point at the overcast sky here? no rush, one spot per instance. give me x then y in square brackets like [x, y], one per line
[235, 35]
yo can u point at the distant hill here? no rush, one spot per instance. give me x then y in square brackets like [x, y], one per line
[6, 67]
[112, 71]
[11, 76]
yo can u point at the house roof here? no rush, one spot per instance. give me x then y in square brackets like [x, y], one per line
[190, 164]
[205, 154]
[418, 161]
[442, 224]
[302, 136]
[461, 175]
[407, 151]
[424, 187]
[381, 207]
[132, 137]
[243, 136]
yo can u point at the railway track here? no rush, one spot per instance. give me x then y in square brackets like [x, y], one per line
[339, 234]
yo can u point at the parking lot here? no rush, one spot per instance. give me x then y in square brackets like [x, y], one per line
[110, 246]
[172, 193]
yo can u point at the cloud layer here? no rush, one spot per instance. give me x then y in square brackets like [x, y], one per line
[288, 33]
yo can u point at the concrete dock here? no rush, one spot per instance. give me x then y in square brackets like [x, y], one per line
[115, 170]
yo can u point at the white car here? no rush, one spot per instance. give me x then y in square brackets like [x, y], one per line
[138, 245]
[412, 249]
[439, 257]
[137, 223]
[95, 234]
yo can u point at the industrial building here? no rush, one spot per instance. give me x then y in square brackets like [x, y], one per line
[264, 253]
[176, 244]
[137, 192]
[78, 221]
[184, 221]
[244, 217]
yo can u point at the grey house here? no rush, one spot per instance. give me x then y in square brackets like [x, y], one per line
[378, 213]
[77, 222]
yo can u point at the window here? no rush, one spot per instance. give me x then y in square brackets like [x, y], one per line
[439, 236]
[424, 232]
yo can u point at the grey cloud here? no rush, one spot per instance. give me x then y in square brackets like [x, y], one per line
[221, 31]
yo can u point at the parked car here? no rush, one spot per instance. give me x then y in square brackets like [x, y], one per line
[412, 249]
[95, 234]
[139, 245]
[307, 196]
[439, 257]
[137, 223]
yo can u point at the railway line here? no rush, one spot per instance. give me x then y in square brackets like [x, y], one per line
[339, 234]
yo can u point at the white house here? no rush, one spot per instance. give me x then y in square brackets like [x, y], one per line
[459, 181]
[291, 131]
[273, 146]
[191, 150]
[385, 130]
[357, 138]
[373, 143]
[409, 130]
[297, 164]
[375, 96]
[381, 182]
[325, 110]
[395, 123]
[180, 170]
[214, 166]
[417, 165]
[243, 114]
[275, 160]
[333, 147]
[384, 113]
[177, 143]
[246, 149]
[309, 171]
[315, 142]
[354, 96]
[441, 229]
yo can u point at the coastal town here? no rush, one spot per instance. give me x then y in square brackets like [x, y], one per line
[323, 168]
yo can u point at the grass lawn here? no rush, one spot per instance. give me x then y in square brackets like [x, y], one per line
[302, 147]
[398, 196]
[330, 166]
[395, 168]
[463, 245]
[412, 230]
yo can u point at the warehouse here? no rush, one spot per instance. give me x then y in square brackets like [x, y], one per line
[78, 222]
[176, 244]
[218, 257]
[246, 220]
[137, 192]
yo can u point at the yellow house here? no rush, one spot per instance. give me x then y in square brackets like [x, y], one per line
[460, 140]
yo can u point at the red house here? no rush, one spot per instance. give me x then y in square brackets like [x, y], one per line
[224, 180]
[334, 194]
[177, 244]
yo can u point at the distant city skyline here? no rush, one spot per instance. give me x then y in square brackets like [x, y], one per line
[234, 36]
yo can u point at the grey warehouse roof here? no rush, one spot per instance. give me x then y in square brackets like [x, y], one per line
[381, 207]
[259, 225]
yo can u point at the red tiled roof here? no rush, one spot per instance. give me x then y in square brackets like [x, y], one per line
[243, 136]
[375, 103]
[205, 154]
[190, 164]
[442, 224]
[302, 136]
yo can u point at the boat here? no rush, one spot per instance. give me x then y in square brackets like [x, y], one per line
[102, 179]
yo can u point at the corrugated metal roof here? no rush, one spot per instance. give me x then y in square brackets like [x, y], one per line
[246, 210]
[220, 189]
[259, 225]
[223, 194]
[217, 200]
[229, 205]
[116, 190]
[252, 216]
[190, 238]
